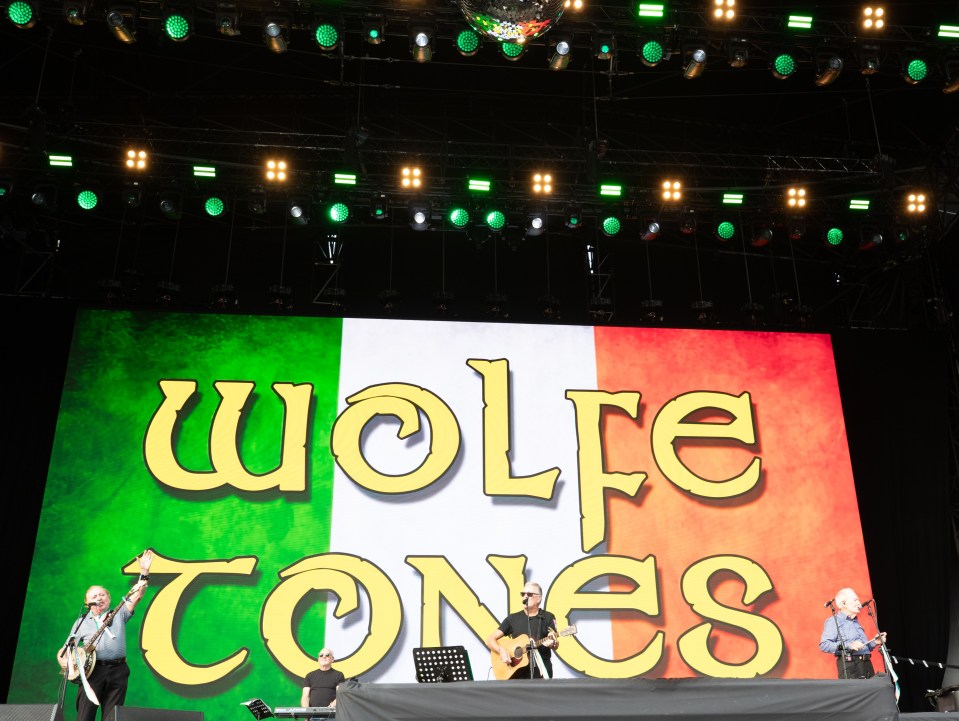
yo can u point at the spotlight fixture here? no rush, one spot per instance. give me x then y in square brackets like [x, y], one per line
[338, 212]
[132, 196]
[829, 65]
[870, 237]
[724, 10]
[458, 216]
[411, 177]
[512, 51]
[177, 25]
[611, 225]
[276, 171]
[374, 30]
[256, 202]
[651, 229]
[136, 159]
[421, 42]
[873, 18]
[561, 46]
[833, 236]
[652, 52]
[760, 234]
[419, 215]
[326, 34]
[738, 53]
[542, 183]
[914, 68]
[672, 191]
[603, 46]
[467, 42]
[495, 219]
[214, 204]
[951, 68]
[535, 221]
[795, 198]
[574, 5]
[171, 204]
[45, 197]
[75, 11]
[695, 63]
[869, 59]
[725, 229]
[298, 211]
[687, 221]
[23, 13]
[782, 64]
[796, 229]
[87, 197]
[916, 203]
[573, 217]
[274, 32]
[227, 20]
[122, 21]
[379, 206]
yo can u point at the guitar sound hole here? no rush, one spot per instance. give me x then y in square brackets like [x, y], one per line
[518, 652]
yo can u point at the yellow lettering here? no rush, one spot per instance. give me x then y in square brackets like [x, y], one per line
[159, 651]
[694, 644]
[340, 574]
[565, 596]
[497, 480]
[669, 425]
[402, 401]
[593, 479]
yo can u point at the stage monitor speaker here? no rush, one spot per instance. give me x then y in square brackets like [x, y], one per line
[28, 712]
[133, 713]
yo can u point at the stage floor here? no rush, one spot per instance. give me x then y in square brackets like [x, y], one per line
[621, 700]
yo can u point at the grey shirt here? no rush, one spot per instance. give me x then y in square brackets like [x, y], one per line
[112, 643]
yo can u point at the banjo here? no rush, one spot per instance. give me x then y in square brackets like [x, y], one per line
[85, 654]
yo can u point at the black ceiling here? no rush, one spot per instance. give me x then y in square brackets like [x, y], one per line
[230, 102]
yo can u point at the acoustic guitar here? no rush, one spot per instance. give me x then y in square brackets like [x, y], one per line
[518, 650]
[85, 653]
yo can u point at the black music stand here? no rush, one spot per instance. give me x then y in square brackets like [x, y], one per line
[441, 664]
[259, 709]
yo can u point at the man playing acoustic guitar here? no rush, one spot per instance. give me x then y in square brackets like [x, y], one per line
[530, 623]
[107, 679]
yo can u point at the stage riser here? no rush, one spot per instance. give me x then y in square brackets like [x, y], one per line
[133, 713]
[27, 712]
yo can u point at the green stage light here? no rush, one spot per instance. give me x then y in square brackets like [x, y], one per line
[783, 66]
[477, 185]
[458, 216]
[177, 27]
[374, 31]
[834, 237]
[612, 225]
[60, 161]
[22, 14]
[858, 204]
[339, 213]
[214, 206]
[495, 219]
[732, 198]
[204, 171]
[799, 22]
[610, 190]
[653, 53]
[725, 230]
[949, 31]
[512, 51]
[915, 70]
[327, 36]
[468, 42]
[87, 199]
[344, 178]
[646, 11]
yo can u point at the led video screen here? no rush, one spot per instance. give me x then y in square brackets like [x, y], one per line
[377, 486]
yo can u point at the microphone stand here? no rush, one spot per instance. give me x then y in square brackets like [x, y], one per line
[886, 660]
[532, 643]
[842, 640]
[68, 646]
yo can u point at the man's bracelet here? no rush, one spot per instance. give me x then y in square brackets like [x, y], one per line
[144, 577]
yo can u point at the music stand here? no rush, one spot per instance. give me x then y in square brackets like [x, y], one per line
[259, 709]
[442, 664]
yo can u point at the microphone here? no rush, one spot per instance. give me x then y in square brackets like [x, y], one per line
[866, 603]
[525, 600]
[92, 604]
[828, 603]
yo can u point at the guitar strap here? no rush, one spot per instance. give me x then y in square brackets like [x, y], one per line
[87, 689]
[539, 663]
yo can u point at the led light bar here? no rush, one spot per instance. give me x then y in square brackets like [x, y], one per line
[799, 22]
[344, 178]
[481, 186]
[732, 198]
[858, 204]
[650, 10]
[949, 31]
[611, 191]
[204, 171]
[61, 161]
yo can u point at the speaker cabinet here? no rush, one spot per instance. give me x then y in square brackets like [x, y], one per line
[28, 712]
[133, 713]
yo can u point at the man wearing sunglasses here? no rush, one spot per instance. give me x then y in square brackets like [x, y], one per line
[534, 623]
[319, 687]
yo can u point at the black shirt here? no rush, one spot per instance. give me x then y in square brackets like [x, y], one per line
[322, 685]
[516, 624]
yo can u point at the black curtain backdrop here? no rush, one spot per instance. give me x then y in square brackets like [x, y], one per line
[895, 388]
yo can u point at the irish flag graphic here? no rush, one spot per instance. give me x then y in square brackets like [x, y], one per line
[377, 486]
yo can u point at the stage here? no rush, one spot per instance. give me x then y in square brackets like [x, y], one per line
[622, 700]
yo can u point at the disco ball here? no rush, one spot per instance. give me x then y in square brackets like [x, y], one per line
[512, 20]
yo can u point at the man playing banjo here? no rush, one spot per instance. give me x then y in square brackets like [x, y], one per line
[102, 670]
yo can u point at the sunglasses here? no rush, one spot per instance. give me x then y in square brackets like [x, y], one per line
[326, 655]
[527, 593]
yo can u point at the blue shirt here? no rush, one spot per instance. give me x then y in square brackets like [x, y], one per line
[112, 643]
[851, 631]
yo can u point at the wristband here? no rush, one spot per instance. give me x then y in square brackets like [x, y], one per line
[144, 577]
